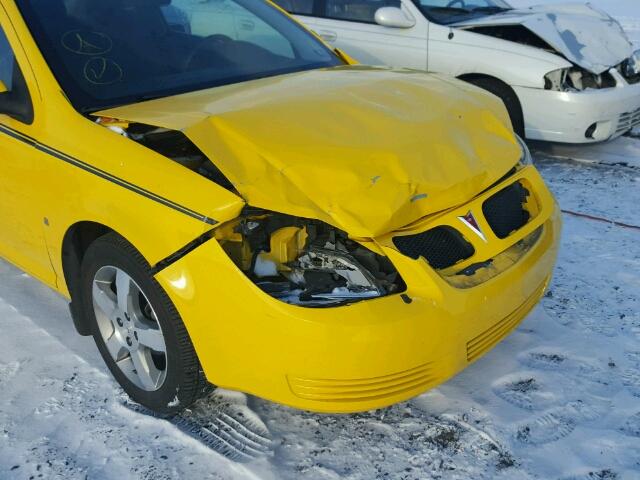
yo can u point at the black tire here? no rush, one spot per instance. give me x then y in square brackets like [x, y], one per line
[508, 97]
[184, 382]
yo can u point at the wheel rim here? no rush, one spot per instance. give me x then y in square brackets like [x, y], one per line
[129, 328]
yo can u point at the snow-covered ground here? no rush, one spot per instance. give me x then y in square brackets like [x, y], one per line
[558, 399]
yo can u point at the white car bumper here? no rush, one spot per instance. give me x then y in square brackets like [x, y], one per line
[566, 117]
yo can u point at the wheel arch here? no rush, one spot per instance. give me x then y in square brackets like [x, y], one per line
[76, 240]
[477, 78]
[469, 77]
[75, 243]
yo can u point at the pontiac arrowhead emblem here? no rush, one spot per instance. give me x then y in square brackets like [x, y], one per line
[470, 221]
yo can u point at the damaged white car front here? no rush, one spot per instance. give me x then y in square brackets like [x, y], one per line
[596, 95]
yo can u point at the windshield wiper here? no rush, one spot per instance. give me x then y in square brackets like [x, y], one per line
[493, 9]
[462, 11]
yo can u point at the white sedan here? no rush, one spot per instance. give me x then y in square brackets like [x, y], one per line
[566, 73]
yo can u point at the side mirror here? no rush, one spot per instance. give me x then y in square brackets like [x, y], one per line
[393, 17]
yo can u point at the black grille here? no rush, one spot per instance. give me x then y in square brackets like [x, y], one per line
[442, 246]
[505, 210]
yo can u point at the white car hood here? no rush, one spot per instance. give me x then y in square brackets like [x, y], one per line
[585, 35]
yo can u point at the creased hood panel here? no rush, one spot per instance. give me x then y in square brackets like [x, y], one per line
[367, 150]
[585, 35]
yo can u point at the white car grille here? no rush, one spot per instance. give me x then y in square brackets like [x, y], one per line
[627, 121]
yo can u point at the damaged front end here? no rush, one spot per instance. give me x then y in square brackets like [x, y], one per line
[172, 144]
[590, 39]
[585, 36]
[276, 146]
[306, 262]
[297, 260]
[577, 79]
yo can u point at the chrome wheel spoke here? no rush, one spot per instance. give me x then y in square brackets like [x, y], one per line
[126, 365]
[152, 339]
[104, 299]
[135, 312]
[123, 287]
[115, 347]
[144, 369]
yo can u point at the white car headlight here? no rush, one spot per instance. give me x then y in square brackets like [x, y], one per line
[526, 158]
[632, 65]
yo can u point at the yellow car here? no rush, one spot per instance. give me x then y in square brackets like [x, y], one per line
[226, 201]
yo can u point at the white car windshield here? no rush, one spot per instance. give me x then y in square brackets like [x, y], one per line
[452, 11]
[112, 52]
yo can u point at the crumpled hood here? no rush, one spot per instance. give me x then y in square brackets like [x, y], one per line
[367, 150]
[585, 35]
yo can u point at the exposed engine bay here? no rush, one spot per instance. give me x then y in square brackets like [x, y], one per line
[514, 33]
[172, 144]
[585, 36]
[300, 261]
[566, 80]
[590, 39]
[306, 262]
[577, 79]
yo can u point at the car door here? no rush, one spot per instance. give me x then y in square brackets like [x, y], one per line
[24, 170]
[453, 50]
[350, 25]
[446, 53]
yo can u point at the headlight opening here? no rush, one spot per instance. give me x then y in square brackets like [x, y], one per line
[306, 262]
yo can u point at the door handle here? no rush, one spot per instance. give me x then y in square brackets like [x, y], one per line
[328, 35]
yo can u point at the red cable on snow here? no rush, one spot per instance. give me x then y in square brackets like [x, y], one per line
[600, 219]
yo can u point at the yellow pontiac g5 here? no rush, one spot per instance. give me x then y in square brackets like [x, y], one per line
[227, 201]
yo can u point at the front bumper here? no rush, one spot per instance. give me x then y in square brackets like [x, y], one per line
[566, 116]
[369, 354]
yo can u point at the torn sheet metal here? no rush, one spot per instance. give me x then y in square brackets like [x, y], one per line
[367, 150]
[585, 35]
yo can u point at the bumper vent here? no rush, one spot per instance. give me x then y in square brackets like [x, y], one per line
[486, 340]
[363, 389]
[628, 121]
[505, 210]
[442, 246]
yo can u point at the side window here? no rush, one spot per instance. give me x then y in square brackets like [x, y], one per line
[14, 97]
[357, 10]
[299, 7]
[7, 62]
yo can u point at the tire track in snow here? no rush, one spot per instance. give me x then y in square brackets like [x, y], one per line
[223, 422]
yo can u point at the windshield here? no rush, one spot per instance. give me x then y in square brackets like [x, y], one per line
[106, 53]
[452, 11]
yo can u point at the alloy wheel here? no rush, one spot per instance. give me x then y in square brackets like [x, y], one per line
[129, 328]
